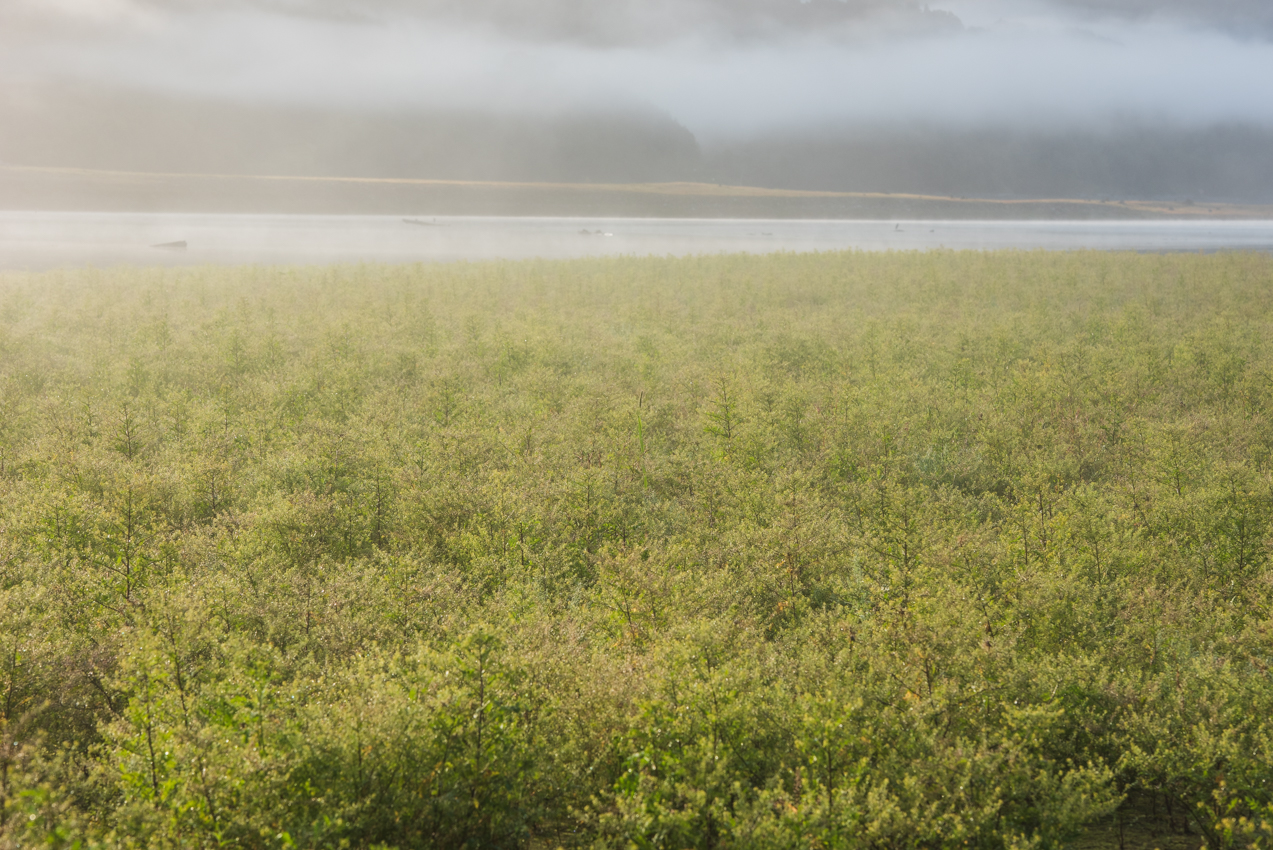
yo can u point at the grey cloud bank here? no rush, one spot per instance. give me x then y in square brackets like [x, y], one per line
[746, 73]
[1245, 18]
[762, 65]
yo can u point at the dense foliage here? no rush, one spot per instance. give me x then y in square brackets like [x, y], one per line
[847, 550]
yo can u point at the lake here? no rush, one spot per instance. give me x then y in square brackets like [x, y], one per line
[49, 240]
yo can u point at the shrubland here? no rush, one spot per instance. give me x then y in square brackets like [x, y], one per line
[837, 550]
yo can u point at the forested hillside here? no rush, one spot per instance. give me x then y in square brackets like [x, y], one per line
[841, 550]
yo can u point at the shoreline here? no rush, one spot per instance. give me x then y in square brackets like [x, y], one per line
[63, 189]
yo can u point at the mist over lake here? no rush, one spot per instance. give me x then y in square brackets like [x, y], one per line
[47, 240]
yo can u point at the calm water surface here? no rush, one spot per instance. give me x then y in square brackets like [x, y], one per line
[50, 240]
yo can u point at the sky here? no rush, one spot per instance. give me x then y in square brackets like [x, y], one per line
[725, 69]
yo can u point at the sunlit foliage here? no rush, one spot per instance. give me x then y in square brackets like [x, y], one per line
[842, 550]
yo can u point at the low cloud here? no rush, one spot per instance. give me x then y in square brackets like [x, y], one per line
[1246, 19]
[721, 69]
[730, 72]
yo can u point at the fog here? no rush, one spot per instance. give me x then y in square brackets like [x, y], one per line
[693, 89]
